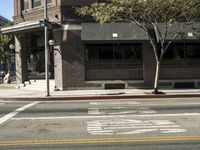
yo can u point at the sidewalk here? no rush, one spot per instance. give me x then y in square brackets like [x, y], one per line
[9, 92]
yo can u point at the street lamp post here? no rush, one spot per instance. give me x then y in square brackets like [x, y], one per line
[51, 52]
[51, 42]
[12, 48]
[46, 48]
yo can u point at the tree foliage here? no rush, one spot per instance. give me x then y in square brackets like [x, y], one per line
[5, 52]
[148, 14]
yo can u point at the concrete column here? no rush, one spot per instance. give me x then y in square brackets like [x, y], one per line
[149, 65]
[58, 75]
[16, 7]
[30, 2]
[42, 3]
[73, 58]
[20, 59]
[19, 7]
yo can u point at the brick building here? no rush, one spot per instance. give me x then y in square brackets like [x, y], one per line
[89, 55]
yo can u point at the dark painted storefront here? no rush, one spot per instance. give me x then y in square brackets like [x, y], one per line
[113, 51]
[121, 51]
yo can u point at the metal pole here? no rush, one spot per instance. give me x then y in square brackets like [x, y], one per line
[46, 48]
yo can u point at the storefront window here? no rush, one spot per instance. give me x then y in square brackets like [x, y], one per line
[183, 50]
[192, 50]
[36, 3]
[175, 51]
[114, 51]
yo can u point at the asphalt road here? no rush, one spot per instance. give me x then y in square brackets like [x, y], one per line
[168, 124]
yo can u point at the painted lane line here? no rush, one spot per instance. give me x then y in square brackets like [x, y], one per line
[171, 104]
[108, 116]
[162, 131]
[126, 122]
[144, 127]
[15, 112]
[148, 112]
[120, 111]
[115, 103]
[101, 133]
[123, 112]
[100, 140]
[138, 131]
[119, 107]
[178, 130]
[93, 103]
[94, 111]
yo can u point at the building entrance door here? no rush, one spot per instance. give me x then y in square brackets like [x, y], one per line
[36, 58]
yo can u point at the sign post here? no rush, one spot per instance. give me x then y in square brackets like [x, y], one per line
[46, 49]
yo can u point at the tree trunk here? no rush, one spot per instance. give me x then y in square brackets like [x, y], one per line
[156, 77]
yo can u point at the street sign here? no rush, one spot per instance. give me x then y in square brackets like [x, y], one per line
[46, 23]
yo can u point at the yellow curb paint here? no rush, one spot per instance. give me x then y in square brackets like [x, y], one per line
[101, 140]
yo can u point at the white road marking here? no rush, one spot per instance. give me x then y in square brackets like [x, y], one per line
[170, 104]
[95, 111]
[122, 112]
[93, 103]
[107, 116]
[128, 126]
[164, 131]
[138, 131]
[119, 107]
[15, 112]
[118, 110]
[144, 127]
[143, 110]
[9, 101]
[2, 103]
[114, 103]
[148, 112]
[172, 130]
[101, 133]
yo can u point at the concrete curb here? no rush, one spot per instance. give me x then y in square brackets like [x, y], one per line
[100, 97]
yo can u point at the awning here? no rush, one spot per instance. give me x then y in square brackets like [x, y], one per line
[25, 26]
[191, 32]
[112, 32]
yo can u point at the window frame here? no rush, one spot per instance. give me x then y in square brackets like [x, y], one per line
[185, 50]
[119, 52]
[34, 3]
[49, 1]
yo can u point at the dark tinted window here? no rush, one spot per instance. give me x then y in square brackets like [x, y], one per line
[192, 50]
[114, 51]
[36, 3]
[183, 50]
